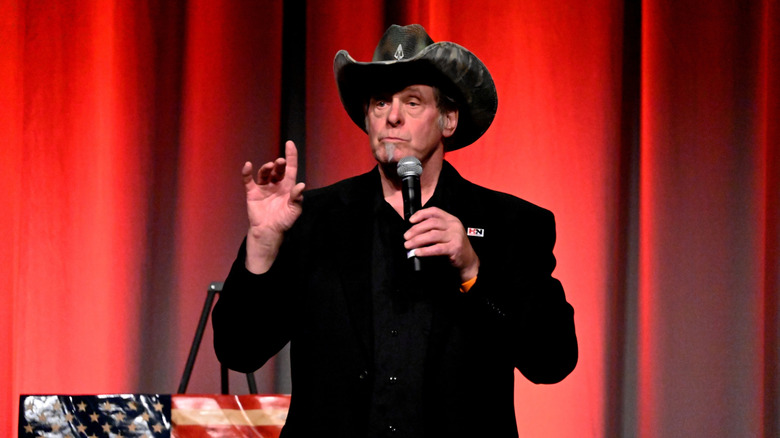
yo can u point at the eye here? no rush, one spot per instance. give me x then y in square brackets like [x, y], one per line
[413, 102]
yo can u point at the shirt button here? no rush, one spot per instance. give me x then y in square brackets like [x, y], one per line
[392, 429]
[393, 379]
[394, 333]
[363, 375]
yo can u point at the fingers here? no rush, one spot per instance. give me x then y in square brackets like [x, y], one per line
[433, 236]
[426, 226]
[433, 243]
[268, 172]
[246, 174]
[296, 194]
[436, 232]
[430, 213]
[291, 153]
[274, 171]
[429, 219]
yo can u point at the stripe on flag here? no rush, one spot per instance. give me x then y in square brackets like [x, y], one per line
[229, 415]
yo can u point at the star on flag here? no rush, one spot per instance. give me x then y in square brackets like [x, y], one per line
[95, 416]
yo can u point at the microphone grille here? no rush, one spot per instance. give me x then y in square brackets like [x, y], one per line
[409, 166]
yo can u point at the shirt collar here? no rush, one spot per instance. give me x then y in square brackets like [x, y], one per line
[442, 195]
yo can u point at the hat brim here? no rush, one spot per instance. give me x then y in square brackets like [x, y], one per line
[446, 65]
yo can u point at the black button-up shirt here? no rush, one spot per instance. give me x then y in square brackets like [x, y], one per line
[403, 306]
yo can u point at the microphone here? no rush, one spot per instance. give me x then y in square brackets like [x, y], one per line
[409, 170]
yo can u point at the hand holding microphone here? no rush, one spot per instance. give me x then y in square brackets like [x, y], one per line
[434, 231]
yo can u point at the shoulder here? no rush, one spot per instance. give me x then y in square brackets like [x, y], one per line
[352, 190]
[330, 210]
[496, 221]
[476, 198]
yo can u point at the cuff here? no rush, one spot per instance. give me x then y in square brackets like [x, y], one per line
[466, 285]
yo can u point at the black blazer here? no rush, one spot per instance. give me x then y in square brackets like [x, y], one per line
[317, 295]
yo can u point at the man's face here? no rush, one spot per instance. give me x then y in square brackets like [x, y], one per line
[407, 122]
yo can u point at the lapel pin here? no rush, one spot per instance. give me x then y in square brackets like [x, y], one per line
[476, 232]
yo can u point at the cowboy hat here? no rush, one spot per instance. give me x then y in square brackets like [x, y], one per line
[406, 55]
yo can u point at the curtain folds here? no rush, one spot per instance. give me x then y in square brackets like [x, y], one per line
[648, 128]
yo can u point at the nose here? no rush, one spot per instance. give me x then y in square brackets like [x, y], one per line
[395, 116]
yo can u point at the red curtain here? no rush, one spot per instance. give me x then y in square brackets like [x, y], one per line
[708, 205]
[125, 124]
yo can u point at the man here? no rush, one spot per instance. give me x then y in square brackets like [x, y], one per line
[376, 348]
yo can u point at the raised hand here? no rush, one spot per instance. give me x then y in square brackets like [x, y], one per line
[435, 232]
[274, 202]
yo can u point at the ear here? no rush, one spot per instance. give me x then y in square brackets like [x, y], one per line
[449, 123]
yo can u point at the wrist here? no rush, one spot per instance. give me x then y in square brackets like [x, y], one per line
[262, 247]
[469, 273]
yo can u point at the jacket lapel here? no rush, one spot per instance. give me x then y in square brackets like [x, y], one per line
[355, 219]
[450, 199]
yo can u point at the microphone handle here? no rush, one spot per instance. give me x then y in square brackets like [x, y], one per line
[411, 195]
[416, 264]
[412, 203]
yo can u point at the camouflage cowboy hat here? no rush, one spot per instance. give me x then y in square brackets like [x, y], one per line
[407, 55]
